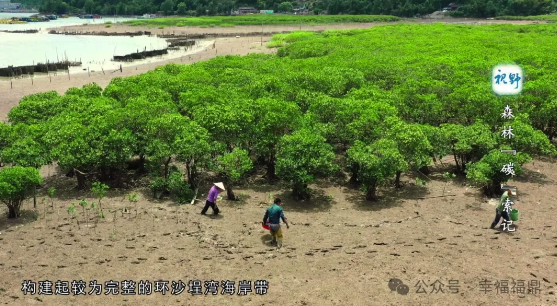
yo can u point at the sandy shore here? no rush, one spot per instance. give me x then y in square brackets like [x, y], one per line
[10, 97]
[12, 92]
[122, 28]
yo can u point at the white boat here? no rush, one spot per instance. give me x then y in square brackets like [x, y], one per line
[145, 16]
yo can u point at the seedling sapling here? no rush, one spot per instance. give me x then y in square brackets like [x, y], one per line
[153, 210]
[133, 199]
[99, 189]
[94, 206]
[420, 181]
[114, 211]
[43, 200]
[72, 213]
[83, 205]
[51, 192]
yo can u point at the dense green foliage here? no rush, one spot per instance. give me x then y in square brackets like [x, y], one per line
[225, 7]
[373, 102]
[300, 157]
[376, 163]
[259, 20]
[402, 8]
[537, 17]
[233, 166]
[15, 184]
[492, 8]
[29, 3]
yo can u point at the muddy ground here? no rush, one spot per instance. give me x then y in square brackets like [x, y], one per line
[339, 250]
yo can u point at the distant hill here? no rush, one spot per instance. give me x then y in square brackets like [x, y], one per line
[401, 8]
[28, 3]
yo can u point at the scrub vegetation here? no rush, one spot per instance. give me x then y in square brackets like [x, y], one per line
[228, 21]
[364, 105]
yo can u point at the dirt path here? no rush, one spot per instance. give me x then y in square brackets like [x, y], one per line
[339, 250]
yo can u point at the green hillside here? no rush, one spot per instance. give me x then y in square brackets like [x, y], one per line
[401, 8]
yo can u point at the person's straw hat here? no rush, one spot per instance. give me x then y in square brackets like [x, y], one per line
[220, 185]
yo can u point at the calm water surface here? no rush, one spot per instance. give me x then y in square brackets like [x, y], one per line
[61, 22]
[24, 49]
[93, 51]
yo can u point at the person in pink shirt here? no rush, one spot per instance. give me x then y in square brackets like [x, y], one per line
[212, 198]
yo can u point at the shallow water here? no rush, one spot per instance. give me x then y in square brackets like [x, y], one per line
[26, 49]
[95, 52]
[60, 22]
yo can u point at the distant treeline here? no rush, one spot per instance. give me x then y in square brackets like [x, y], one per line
[402, 8]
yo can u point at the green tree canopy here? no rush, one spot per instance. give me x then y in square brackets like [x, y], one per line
[469, 143]
[411, 142]
[193, 147]
[167, 7]
[25, 147]
[286, 7]
[376, 163]
[272, 119]
[162, 134]
[487, 173]
[233, 166]
[300, 157]
[15, 183]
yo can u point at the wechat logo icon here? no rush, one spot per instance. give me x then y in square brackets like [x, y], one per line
[396, 284]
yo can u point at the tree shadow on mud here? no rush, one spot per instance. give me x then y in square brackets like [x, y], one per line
[458, 181]
[264, 187]
[27, 216]
[318, 202]
[388, 197]
[241, 200]
[338, 179]
[530, 176]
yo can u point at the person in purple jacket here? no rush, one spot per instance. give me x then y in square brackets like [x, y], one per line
[212, 198]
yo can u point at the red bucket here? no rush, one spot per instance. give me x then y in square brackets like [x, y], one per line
[266, 226]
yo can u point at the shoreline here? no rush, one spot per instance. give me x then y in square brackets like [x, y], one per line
[110, 66]
[62, 81]
[268, 29]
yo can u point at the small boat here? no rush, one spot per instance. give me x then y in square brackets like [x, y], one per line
[90, 16]
[145, 16]
[12, 21]
[52, 17]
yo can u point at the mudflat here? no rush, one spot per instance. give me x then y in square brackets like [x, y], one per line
[339, 250]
